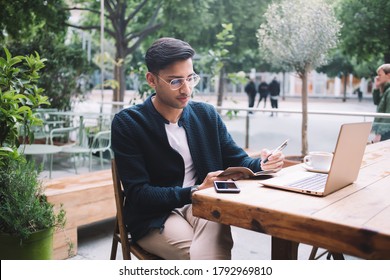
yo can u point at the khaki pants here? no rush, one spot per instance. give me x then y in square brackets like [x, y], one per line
[187, 237]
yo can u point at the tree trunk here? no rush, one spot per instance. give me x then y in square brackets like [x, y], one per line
[284, 86]
[345, 87]
[220, 87]
[304, 114]
[119, 76]
[119, 91]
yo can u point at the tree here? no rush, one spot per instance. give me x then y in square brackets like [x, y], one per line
[297, 34]
[65, 65]
[219, 57]
[339, 65]
[40, 28]
[365, 31]
[23, 19]
[129, 24]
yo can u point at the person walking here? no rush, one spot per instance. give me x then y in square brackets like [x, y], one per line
[250, 89]
[381, 126]
[263, 92]
[274, 90]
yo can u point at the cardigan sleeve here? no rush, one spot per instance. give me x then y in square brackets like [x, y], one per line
[141, 194]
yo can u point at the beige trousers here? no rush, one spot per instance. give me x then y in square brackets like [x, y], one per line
[187, 237]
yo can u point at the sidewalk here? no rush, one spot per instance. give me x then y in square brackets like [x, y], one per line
[94, 241]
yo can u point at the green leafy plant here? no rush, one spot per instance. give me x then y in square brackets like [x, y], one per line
[24, 208]
[19, 96]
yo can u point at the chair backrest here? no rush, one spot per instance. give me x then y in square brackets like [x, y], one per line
[120, 233]
[101, 141]
[64, 132]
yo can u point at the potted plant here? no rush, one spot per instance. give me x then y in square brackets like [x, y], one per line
[27, 219]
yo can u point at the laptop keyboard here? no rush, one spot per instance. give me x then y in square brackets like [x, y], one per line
[314, 183]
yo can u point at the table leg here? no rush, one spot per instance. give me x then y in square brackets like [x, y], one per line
[283, 249]
[51, 165]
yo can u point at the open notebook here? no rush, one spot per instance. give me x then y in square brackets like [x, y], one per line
[347, 158]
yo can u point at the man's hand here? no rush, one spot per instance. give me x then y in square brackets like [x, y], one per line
[275, 161]
[377, 138]
[208, 182]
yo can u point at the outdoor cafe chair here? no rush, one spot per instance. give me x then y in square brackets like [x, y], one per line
[121, 234]
[101, 143]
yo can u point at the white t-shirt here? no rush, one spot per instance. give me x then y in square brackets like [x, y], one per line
[178, 140]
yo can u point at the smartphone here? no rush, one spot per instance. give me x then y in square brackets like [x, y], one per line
[226, 187]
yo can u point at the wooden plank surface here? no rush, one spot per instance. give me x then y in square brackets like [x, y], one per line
[86, 198]
[354, 220]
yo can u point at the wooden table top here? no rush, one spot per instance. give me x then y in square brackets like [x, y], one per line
[354, 220]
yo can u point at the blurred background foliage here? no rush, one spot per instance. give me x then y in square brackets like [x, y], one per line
[57, 30]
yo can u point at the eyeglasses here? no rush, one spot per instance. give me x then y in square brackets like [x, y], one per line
[175, 84]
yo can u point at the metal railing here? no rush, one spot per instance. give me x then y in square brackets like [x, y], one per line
[311, 112]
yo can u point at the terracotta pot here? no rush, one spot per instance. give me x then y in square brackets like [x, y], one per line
[292, 160]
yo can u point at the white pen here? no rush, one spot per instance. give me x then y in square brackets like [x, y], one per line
[279, 148]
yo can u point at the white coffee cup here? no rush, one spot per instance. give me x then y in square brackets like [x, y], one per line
[319, 160]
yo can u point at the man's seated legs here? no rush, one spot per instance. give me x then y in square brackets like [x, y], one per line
[187, 237]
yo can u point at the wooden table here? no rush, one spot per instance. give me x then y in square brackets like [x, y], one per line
[354, 220]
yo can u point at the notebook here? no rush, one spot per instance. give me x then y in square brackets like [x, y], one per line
[344, 169]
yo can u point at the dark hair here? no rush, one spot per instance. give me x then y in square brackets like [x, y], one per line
[166, 51]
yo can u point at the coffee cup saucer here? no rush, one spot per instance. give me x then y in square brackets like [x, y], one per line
[311, 169]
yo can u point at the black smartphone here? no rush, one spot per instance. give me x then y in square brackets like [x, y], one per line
[226, 187]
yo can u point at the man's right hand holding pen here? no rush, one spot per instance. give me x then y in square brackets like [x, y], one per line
[273, 160]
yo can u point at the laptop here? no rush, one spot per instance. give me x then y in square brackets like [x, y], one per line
[344, 169]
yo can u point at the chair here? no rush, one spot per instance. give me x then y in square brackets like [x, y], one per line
[101, 143]
[336, 256]
[120, 232]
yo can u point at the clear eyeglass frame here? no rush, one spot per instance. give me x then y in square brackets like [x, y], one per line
[177, 83]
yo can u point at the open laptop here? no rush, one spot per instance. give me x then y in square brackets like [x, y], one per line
[344, 169]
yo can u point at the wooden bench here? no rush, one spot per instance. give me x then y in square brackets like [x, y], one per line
[87, 198]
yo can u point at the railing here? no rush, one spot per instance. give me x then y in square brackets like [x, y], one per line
[316, 112]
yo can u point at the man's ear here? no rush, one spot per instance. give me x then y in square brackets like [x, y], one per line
[151, 79]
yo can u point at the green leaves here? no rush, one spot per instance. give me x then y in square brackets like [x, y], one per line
[19, 96]
[365, 31]
[298, 34]
[24, 209]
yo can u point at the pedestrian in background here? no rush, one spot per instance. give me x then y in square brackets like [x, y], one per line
[359, 93]
[250, 89]
[274, 90]
[381, 126]
[263, 92]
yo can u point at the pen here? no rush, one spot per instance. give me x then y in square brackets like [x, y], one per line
[279, 148]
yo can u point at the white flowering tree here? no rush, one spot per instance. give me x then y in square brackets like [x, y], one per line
[297, 35]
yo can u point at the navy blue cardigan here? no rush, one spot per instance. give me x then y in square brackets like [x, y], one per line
[152, 172]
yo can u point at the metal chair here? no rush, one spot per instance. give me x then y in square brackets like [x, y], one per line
[101, 143]
[120, 232]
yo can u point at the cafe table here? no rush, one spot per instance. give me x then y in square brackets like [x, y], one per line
[354, 220]
[41, 149]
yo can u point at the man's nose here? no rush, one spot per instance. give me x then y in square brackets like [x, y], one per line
[186, 87]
